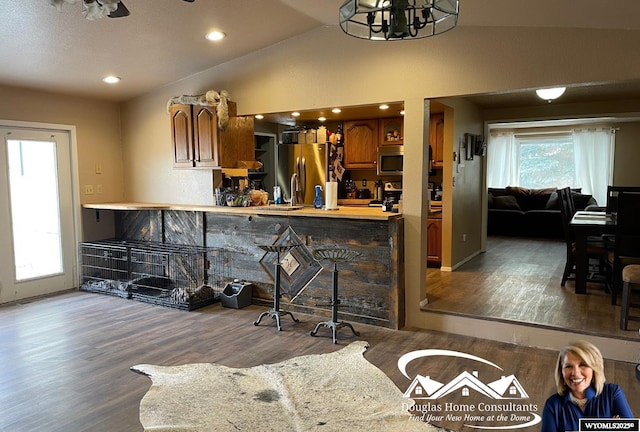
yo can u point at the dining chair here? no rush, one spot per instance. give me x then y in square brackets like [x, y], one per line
[612, 208]
[612, 196]
[595, 250]
[625, 256]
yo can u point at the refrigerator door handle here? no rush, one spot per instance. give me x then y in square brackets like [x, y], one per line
[303, 179]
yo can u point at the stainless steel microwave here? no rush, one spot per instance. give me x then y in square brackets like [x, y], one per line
[390, 160]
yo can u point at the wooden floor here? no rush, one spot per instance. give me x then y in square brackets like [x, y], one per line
[65, 359]
[518, 279]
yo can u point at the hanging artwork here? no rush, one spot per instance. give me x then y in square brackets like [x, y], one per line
[299, 267]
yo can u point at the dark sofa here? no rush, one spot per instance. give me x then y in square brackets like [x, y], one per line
[523, 212]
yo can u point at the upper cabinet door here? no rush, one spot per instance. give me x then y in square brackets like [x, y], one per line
[205, 136]
[436, 138]
[392, 131]
[181, 135]
[199, 142]
[237, 142]
[360, 144]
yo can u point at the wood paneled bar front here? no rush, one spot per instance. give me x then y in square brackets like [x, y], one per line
[371, 287]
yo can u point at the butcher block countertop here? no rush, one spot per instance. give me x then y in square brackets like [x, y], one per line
[343, 212]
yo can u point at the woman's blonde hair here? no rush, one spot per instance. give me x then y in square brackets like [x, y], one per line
[590, 355]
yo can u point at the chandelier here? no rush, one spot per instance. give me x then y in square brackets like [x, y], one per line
[95, 9]
[397, 19]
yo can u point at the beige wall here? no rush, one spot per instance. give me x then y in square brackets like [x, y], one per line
[627, 155]
[97, 133]
[325, 68]
[98, 142]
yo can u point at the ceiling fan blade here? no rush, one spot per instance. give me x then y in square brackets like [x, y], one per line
[122, 11]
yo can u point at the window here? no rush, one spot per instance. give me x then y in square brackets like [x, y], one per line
[580, 158]
[546, 161]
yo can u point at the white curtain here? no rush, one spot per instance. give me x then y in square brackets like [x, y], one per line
[502, 160]
[593, 151]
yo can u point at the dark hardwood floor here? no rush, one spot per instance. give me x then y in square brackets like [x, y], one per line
[518, 279]
[65, 359]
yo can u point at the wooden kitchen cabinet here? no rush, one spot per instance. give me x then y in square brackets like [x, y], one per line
[199, 143]
[434, 242]
[391, 131]
[436, 139]
[360, 144]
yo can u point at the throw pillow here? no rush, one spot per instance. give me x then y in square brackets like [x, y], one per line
[506, 202]
[583, 200]
[497, 191]
[540, 197]
[517, 190]
[552, 203]
[545, 191]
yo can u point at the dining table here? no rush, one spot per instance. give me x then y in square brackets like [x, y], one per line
[586, 224]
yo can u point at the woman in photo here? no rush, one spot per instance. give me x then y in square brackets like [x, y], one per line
[582, 390]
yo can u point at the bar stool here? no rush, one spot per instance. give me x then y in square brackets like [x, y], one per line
[276, 313]
[336, 256]
[630, 282]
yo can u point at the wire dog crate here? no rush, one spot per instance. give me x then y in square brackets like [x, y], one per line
[104, 268]
[178, 276]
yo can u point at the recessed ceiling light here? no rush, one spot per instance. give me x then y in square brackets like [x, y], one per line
[295, 114]
[322, 119]
[111, 79]
[215, 36]
[384, 107]
[259, 116]
[336, 110]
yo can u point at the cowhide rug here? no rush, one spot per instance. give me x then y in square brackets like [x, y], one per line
[340, 391]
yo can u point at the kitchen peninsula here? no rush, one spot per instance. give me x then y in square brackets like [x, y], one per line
[371, 286]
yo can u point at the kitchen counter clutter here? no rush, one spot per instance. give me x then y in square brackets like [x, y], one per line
[343, 212]
[372, 286]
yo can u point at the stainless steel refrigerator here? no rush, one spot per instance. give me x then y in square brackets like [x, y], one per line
[309, 163]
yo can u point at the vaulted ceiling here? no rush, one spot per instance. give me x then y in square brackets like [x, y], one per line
[163, 41]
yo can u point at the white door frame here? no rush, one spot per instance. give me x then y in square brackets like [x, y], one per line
[75, 184]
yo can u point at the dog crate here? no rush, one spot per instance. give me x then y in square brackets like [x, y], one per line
[179, 276]
[104, 268]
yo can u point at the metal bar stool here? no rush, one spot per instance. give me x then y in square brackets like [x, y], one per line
[335, 256]
[276, 313]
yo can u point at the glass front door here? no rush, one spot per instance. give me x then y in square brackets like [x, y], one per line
[37, 225]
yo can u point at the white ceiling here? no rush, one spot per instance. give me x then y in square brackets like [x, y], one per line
[163, 41]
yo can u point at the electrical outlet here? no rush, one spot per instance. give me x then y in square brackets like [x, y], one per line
[464, 237]
[364, 182]
[88, 189]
